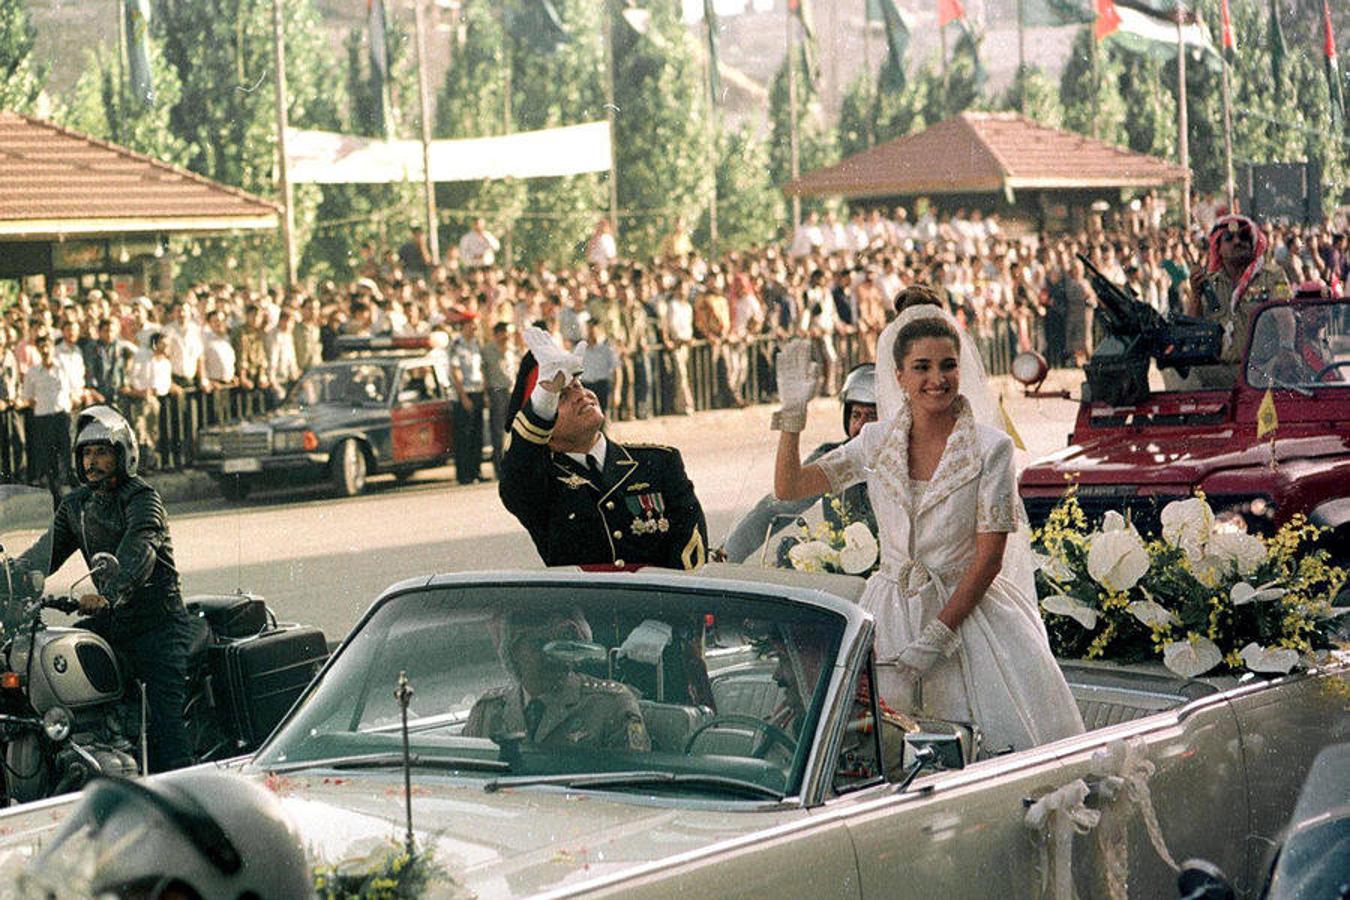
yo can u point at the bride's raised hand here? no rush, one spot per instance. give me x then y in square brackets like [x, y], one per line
[797, 377]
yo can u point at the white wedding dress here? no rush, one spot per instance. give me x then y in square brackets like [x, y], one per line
[1003, 677]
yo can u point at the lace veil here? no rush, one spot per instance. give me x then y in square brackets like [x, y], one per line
[1019, 564]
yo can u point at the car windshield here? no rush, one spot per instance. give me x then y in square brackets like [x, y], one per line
[25, 514]
[1304, 345]
[695, 692]
[357, 384]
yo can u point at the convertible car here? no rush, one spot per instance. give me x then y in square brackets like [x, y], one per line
[715, 733]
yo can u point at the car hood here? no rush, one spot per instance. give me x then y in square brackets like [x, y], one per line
[316, 418]
[1163, 459]
[512, 843]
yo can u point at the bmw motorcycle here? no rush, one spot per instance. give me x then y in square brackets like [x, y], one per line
[67, 710]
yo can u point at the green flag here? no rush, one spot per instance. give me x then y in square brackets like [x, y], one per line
[714, 77]
[897, 33]
[138, 51]
[1278, 50]
[802, 11]
[1051, 13]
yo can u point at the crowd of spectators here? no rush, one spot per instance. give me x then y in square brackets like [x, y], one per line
[832, 281]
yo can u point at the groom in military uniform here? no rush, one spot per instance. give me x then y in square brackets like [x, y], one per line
[586, 499]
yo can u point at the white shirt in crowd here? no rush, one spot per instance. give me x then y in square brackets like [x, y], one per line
[746, 310]
[218, 357]
[805, 240]
[47, 389]
[149, 372]
[70, 361]
[680, 319]
[601, 250]
[478, 249]
[834, 236]
[185, 346]
[858, 238]
[281, 356]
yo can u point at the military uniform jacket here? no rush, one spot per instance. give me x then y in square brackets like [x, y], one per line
[1266, 285]
[582, 712]
[642, 512]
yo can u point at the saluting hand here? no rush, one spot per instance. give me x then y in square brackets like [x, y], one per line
[556, 366]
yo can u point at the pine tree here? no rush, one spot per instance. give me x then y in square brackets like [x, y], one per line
[21, 74]
[1150, 108]
[102, 107]
[750, 206]
[1089, 89]
[854, 131]
[899, 106]
[661, 129]
[1034, 96]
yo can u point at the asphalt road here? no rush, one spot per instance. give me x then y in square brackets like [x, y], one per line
[322, 560]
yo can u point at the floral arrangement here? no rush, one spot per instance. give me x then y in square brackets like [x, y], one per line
[1205, 595]
[840, 546]
[388, 873]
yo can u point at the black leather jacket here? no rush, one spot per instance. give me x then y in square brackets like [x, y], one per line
[130, 524]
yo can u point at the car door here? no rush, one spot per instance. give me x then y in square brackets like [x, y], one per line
[420, 416]
[967, 833]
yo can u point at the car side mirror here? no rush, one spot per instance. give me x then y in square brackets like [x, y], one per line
[104, 564]
[1202, 880]
[929, 751]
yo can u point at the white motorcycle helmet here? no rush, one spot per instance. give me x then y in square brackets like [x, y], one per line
[198, 835]
[860, 386]
[105, 425]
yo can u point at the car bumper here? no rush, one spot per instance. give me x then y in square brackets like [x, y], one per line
[277, 463]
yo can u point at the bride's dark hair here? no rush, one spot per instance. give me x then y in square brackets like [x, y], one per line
[925, 327]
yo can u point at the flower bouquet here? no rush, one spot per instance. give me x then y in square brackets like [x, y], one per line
[1205, 595]
[837, 545]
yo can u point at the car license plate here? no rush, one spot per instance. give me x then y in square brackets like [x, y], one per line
[236, 466]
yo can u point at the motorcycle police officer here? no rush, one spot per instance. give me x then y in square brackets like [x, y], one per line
[771, 515]
[138, 608]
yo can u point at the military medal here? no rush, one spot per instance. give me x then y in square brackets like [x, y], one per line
[649, 513]
[574, 481]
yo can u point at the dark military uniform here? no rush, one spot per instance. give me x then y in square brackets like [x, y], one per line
[642, 511]
[1269, 284]
[582, 712]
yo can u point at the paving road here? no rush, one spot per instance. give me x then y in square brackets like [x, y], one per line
[321, 560]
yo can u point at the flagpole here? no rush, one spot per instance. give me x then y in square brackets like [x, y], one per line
[1183, 125]
[868, 85]
[1228, 138]
[283, 182]
[428, 186]
[942, 51]
[792, 117]
[122, 67]
[1022, 55]
[608, 29]
[713, 123]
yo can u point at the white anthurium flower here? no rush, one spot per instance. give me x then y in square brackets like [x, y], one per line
[1152, 614]
[1244, 551]
[1054, 568]
[1113, 521]
[1243, 593]
[1188, 524]
[1191, 658]
[1064, 605]
[1117, 559]
[810, 555]
[860, 548]
[1269, 659]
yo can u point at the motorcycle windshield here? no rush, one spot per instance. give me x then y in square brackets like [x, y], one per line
[25, 551]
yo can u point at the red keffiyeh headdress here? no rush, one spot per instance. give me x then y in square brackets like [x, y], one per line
[1259, 245]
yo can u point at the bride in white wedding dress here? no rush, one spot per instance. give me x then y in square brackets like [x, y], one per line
[958, 632]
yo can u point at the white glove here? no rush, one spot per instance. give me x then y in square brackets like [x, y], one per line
[936, 643]
[557, 367]
[796, 385]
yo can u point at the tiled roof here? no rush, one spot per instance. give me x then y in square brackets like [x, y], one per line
[985, 152]
[54, 181]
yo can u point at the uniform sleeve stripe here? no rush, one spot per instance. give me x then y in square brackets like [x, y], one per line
[529, 434]
[694, 554]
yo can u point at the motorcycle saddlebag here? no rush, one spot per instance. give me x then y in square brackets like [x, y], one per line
[231, 616]
[258, 679]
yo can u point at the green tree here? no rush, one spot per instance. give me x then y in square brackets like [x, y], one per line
[222, 53]
[898, 108]
[965, 74]
[1089, 88]
[750, 206]
[856, 112]
[101, 107]
[21, 74]
[1034, 96]
[816, 147]
[661, 128]
[1150, 107]
[552, 89]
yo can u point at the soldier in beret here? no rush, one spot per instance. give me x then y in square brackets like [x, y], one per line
[586, 499]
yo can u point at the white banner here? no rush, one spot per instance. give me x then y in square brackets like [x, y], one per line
[324, 157]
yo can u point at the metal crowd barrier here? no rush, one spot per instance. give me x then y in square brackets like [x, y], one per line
[183, 415]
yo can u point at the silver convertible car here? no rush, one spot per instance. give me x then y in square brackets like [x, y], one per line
[715, 734]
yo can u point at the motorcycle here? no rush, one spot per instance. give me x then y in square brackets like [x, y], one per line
[67, 711]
